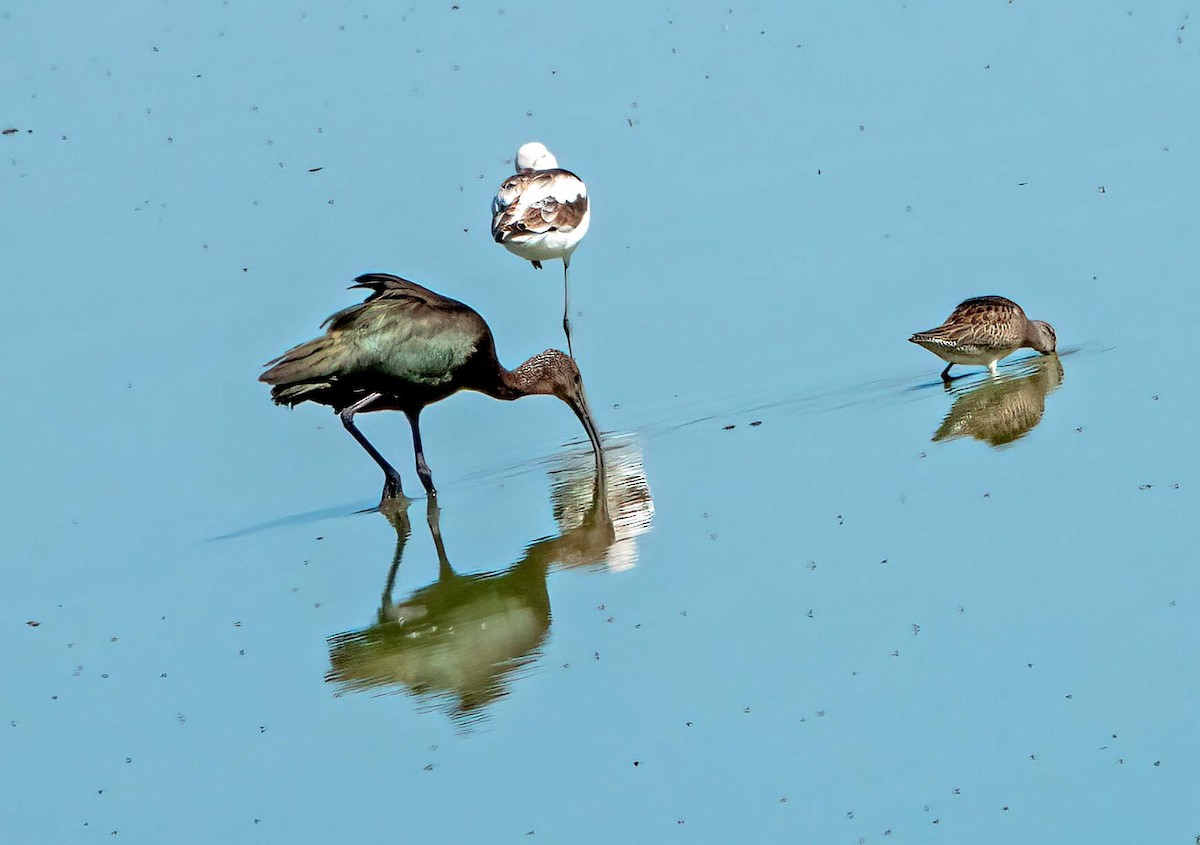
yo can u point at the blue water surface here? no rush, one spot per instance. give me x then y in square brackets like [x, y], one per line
[840, 603]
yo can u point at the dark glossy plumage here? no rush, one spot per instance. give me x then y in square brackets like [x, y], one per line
[404, 340]
[406, 347]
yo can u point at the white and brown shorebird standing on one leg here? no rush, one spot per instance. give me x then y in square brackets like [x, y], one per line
[984, 329]
[541, 213]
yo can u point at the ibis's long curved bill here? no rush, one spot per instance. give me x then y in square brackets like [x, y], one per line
[581, 409]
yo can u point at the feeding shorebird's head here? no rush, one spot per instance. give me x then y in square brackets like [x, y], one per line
[535, 156]
[1042, 337]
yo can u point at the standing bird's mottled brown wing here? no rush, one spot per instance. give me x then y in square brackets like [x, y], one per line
[982, 322]
[534, 202]
[402, 335]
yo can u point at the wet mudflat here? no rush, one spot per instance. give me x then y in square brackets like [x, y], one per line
[838, 601]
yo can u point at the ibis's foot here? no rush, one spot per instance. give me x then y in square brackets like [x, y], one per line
[424, 473]
[392, 488]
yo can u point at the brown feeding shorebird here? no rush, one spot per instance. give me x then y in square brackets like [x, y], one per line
[406, 347]
[984, 329]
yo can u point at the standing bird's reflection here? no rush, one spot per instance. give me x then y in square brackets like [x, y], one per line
[1001, 410]
[460, 641]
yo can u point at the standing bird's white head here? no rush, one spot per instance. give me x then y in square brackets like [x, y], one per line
[535, 156]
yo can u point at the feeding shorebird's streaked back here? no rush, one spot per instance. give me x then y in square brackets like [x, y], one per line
[406, 347]
[983, 330]
[541, 213]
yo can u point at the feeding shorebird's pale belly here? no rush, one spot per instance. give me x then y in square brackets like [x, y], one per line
[966, 354]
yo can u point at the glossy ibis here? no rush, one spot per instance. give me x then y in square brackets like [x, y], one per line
[541, 213]
[984, 329]
[406, 347]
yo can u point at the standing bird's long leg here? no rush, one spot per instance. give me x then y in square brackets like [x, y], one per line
[567, 304]
[422, 468]
[946, 372]
[391, 485]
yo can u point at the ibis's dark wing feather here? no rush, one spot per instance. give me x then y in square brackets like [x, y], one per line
[402, 335]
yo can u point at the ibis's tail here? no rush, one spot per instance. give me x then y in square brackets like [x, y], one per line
[304, 372]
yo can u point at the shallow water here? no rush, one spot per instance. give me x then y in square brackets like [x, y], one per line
[839, 602]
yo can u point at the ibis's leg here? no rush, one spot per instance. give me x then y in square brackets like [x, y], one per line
[946, 372]
[567, 305]
[391, 486]
[422, 468]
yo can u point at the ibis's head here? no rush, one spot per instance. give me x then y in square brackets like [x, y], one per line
[557, 374]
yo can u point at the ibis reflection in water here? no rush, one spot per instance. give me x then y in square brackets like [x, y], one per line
[459, 642]
[1003, 409]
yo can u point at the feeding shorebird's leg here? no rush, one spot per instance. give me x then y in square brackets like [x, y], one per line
[422, 468]
[992, 366]
[946, 372]
[567, 304]
[391, 486]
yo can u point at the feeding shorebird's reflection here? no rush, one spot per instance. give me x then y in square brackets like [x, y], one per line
[1001, 410]
[459, 642]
